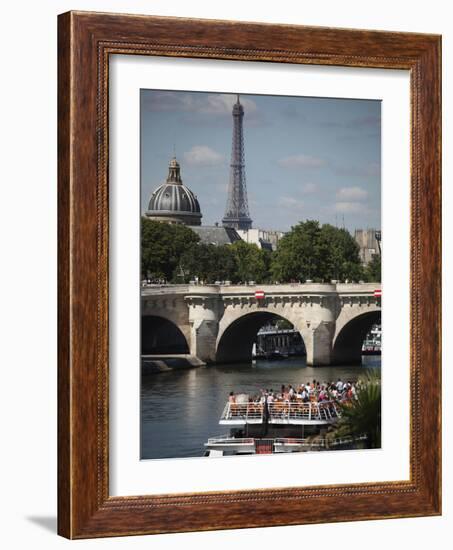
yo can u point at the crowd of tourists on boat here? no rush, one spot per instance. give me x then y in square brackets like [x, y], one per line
[311, 392]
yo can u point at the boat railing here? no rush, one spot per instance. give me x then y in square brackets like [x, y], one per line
[319, 442]
[246, 412]
[282, 442]
[292, 441]
[315, 411]
[228, 440]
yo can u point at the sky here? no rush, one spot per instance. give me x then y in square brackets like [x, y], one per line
[305, 158]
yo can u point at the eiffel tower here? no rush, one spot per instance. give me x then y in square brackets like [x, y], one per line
[237, 209]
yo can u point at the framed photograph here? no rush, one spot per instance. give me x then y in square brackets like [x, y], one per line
[249, 275]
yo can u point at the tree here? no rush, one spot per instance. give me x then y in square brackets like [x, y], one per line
[319, 253]
[297, 256]
[208, 262]
[237, 262]
[161, 247]
[373, 269]
[342, 254]
[362, 415]
[252, 263]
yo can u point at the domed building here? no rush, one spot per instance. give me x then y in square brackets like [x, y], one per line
[173, 202]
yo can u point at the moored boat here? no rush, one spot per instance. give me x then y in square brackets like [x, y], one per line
[372, 344]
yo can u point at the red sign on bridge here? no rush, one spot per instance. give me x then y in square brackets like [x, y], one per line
[259, 294]
[378, 293]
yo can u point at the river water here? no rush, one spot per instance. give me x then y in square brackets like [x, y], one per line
[181, 409]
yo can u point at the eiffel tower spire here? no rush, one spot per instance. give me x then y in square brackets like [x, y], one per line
[237, 210]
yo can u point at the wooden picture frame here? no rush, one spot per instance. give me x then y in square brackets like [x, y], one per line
[85, 41]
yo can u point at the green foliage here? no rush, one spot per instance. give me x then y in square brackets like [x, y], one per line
[208, 262]
[161, 247]
[342, 260]
[373, 269]
[309, 251]
[319, 253]
[238, 263]
[363, 414]
[252, 263]
[298, 255]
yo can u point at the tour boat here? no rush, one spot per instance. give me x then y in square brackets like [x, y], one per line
[274, 355]
[277, 427]
[372, 344]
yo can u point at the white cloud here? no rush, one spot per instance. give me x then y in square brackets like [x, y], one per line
[202, 155]
[309, 188]
[222, 104]
[291, 203]
[213, 104]
[302, 161]
[350, 207]
[167, 101]
[347, 194]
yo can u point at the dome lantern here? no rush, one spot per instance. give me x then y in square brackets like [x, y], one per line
[174, 172]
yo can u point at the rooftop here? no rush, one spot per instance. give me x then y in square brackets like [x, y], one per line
[216, 234]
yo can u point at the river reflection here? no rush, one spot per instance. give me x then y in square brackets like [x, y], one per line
[180, 409]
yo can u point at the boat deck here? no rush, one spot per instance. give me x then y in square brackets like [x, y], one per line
[226, 444]
[280, 412]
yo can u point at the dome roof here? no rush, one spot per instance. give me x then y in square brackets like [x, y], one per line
[174, 198]
[173, 201]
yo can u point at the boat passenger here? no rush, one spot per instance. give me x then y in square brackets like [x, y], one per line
[305, 396]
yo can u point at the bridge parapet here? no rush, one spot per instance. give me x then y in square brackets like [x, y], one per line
[356, 289]
[271, 289]
[294, 288]
[152, 290]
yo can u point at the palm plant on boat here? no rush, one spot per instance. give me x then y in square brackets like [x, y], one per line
[362, 415]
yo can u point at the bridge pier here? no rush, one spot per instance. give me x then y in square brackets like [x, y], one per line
[203, 335]
[318, 343]
[204, 326]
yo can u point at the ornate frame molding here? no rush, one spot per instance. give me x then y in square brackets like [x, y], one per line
[86, 40]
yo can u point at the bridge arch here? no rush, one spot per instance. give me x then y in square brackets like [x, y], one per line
[160, 336]
[235, 342]
[347, 343]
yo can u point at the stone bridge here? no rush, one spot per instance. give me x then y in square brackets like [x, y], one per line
[219, 323]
